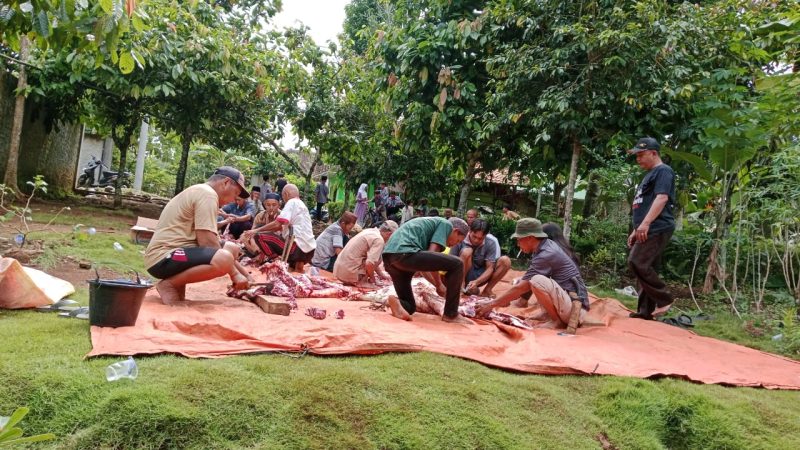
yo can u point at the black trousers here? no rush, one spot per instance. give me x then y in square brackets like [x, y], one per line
[318, 212]
[402, 266]
[642, 260]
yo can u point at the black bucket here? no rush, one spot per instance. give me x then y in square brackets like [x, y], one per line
[115, 303]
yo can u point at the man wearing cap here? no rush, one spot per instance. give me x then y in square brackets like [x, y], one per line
[552, 277]
[416, 247]
[293, 220]
[653, 225]
[359, 263]
[185, 247]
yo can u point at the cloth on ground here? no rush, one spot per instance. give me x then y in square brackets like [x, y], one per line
[211, 325]
[24, 287]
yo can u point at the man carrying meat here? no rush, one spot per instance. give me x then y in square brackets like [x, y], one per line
[417, 247]
[552, 276]
[359, 263]
[294, 220]
[185, 247]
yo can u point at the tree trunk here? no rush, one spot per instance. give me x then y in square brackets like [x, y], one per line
[10, 177]
[123, 143]
[715, 270]
[592, 192]
[186, 143]
[466, 184]
[573, 177]
[558, 188]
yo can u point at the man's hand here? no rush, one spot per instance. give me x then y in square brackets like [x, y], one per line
[484, 309]
[246, 235]
[240, 282]
[441, 290]
[639, 235]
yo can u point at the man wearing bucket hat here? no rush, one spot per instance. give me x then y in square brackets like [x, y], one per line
[552, 277]
[185, 247]
[653, 225]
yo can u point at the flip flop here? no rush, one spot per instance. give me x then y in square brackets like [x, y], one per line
[685, 321]
[703, 316]
[77, 313]
[65, 304]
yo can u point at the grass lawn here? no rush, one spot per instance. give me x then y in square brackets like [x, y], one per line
[414, 400]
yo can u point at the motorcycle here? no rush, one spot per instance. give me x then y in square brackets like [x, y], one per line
[108, 177]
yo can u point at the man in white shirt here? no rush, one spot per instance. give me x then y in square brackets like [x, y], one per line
[294, 219]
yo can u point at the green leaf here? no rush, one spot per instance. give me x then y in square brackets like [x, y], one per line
[41, 24]
[126, 63]
[107, 5]
[698, 163]
[17, 416]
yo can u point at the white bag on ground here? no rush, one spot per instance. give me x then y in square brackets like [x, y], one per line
[24, 287]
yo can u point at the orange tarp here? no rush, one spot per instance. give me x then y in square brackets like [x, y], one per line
[212, 325]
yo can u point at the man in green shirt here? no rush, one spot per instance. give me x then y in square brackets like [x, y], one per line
[416, 247]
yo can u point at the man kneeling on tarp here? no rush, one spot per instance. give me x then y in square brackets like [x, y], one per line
[185, 247]
[552, 276]
[416, 247]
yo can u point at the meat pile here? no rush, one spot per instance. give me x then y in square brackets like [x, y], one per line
[299, 285]
[429, 302]
[281, 283]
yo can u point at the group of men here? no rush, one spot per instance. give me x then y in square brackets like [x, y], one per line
[186, 247]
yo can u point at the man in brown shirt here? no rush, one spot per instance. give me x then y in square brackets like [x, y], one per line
[185, 247]
[360, 260]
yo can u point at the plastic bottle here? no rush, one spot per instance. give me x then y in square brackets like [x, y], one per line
[122, 369]
[19, 239]
[91, 231]
[118, 247]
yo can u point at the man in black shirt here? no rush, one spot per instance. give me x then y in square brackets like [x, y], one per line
[653, 225]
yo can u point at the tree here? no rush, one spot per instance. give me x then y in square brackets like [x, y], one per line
[594, 74]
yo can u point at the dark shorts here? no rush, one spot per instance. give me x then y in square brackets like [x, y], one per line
[180, 260]
[475, 272]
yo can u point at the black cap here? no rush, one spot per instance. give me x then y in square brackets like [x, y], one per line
[644, 144]
[236, 176]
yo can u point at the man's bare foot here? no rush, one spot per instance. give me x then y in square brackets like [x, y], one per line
[519, 303]
[169, 293]
[397, 309]
[457, 319]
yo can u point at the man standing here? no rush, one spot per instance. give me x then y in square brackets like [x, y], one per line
[280, 183]
[185, 247]
[479, 255]
[294, 220]
[331, 241]
[321, 195]
[653, 225]
[552, 276]
[359, 263]
[417, 247]
[266, 188]
[237, 217]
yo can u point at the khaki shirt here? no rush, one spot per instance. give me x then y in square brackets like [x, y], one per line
[366, 246]
[193, 209]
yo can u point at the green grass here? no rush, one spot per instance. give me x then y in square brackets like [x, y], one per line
[414, 400]
[388, 401]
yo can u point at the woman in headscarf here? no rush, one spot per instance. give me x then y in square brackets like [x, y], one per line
[362, 198]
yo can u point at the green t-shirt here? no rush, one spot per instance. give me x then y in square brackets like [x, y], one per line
[416, 235]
